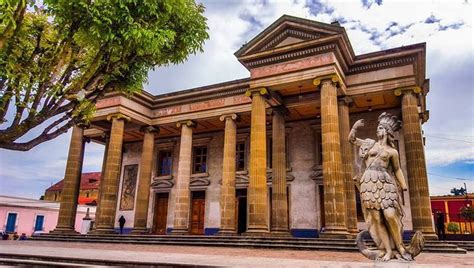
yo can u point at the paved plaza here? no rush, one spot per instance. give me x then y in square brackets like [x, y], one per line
[221, 256]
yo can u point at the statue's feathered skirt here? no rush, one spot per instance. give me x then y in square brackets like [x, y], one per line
[378, 189]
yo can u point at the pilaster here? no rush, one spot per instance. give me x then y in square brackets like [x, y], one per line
[416, 163]
[72, 182]
[143, 194]
[257, 192]
[108, 196]
[227, 199]
[333, 180]
[182, 198]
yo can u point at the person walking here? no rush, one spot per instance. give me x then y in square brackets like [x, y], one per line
[440, 225]
[121, 223]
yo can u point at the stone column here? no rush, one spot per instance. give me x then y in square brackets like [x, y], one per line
[279, 194]
[144, 178]
[416, 164]
[257, 193]
[183, 196]
[333, 180]
[72, 182]
[109, 186]
[347, 160]
[106, 136]
[227, 200]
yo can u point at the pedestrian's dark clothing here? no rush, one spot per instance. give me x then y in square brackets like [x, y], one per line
[122, 223]
[23, 237]
[440, 226]
[5, 236]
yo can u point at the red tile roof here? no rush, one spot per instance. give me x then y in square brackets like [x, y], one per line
[89, 180]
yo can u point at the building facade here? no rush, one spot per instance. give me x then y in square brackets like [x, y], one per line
[452, 208]
[88, 189]
[28, 216]
[264, 155]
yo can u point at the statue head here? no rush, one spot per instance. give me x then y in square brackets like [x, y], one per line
[388, 125]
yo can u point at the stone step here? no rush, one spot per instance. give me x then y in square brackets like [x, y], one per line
[31, 260]
[237, 241]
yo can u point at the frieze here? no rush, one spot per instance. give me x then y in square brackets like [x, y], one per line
[203, 105]
[304, 63]
[206, 104]
[109, 102]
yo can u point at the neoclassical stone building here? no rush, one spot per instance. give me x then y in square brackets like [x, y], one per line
[265, 155]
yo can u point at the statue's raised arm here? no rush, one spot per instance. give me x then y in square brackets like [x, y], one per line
[352, 135]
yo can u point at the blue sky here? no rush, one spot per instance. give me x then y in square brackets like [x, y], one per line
[372, 25]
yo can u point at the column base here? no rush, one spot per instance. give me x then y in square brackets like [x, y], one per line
[280, 233]
[335, 233]
[227, 233]
[64, 230]
[139, 231]
[107, 230]
[256, 232]
[179, 232]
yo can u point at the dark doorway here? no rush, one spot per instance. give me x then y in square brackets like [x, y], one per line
[197, 212]
[321, 205]
[241, 205]
[161, 213]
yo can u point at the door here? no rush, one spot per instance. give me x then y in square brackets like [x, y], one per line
[161, 213]
[197, 212]
[39, 223]
[11, 221]
[241, 205]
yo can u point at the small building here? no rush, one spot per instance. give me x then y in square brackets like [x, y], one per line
[451, 206]
[263, 155]
[24, 215]
[88, 191]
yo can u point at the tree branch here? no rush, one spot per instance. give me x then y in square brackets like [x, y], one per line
[25, 146]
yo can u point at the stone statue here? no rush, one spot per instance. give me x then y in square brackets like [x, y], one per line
[380, 183]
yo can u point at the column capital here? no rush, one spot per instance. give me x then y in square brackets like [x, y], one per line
[334, 78]
[346, 101]
[403, 90]
[188, 123]
[233, 117]
[262, 91]
[282, 110]
[118, 116]
[83, 125]
[149, 129]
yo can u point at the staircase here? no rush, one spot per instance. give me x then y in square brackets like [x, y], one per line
[328, 244]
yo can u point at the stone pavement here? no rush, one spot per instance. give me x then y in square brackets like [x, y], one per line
[222, 256]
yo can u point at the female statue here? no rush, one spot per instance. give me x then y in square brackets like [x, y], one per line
[379, 187]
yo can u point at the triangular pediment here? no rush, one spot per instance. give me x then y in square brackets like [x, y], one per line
[286, 31]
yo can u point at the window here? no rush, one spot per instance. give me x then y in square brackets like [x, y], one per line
[39, 223]
[165, 160]
[200, 159]
[240, 156]
[11, 223]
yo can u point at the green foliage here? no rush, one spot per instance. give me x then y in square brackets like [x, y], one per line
[453, 227]
[460, 191]
[53, 54]
[467, 212]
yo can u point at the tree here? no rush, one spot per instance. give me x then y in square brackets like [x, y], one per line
[460, 191]
[56, 60]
